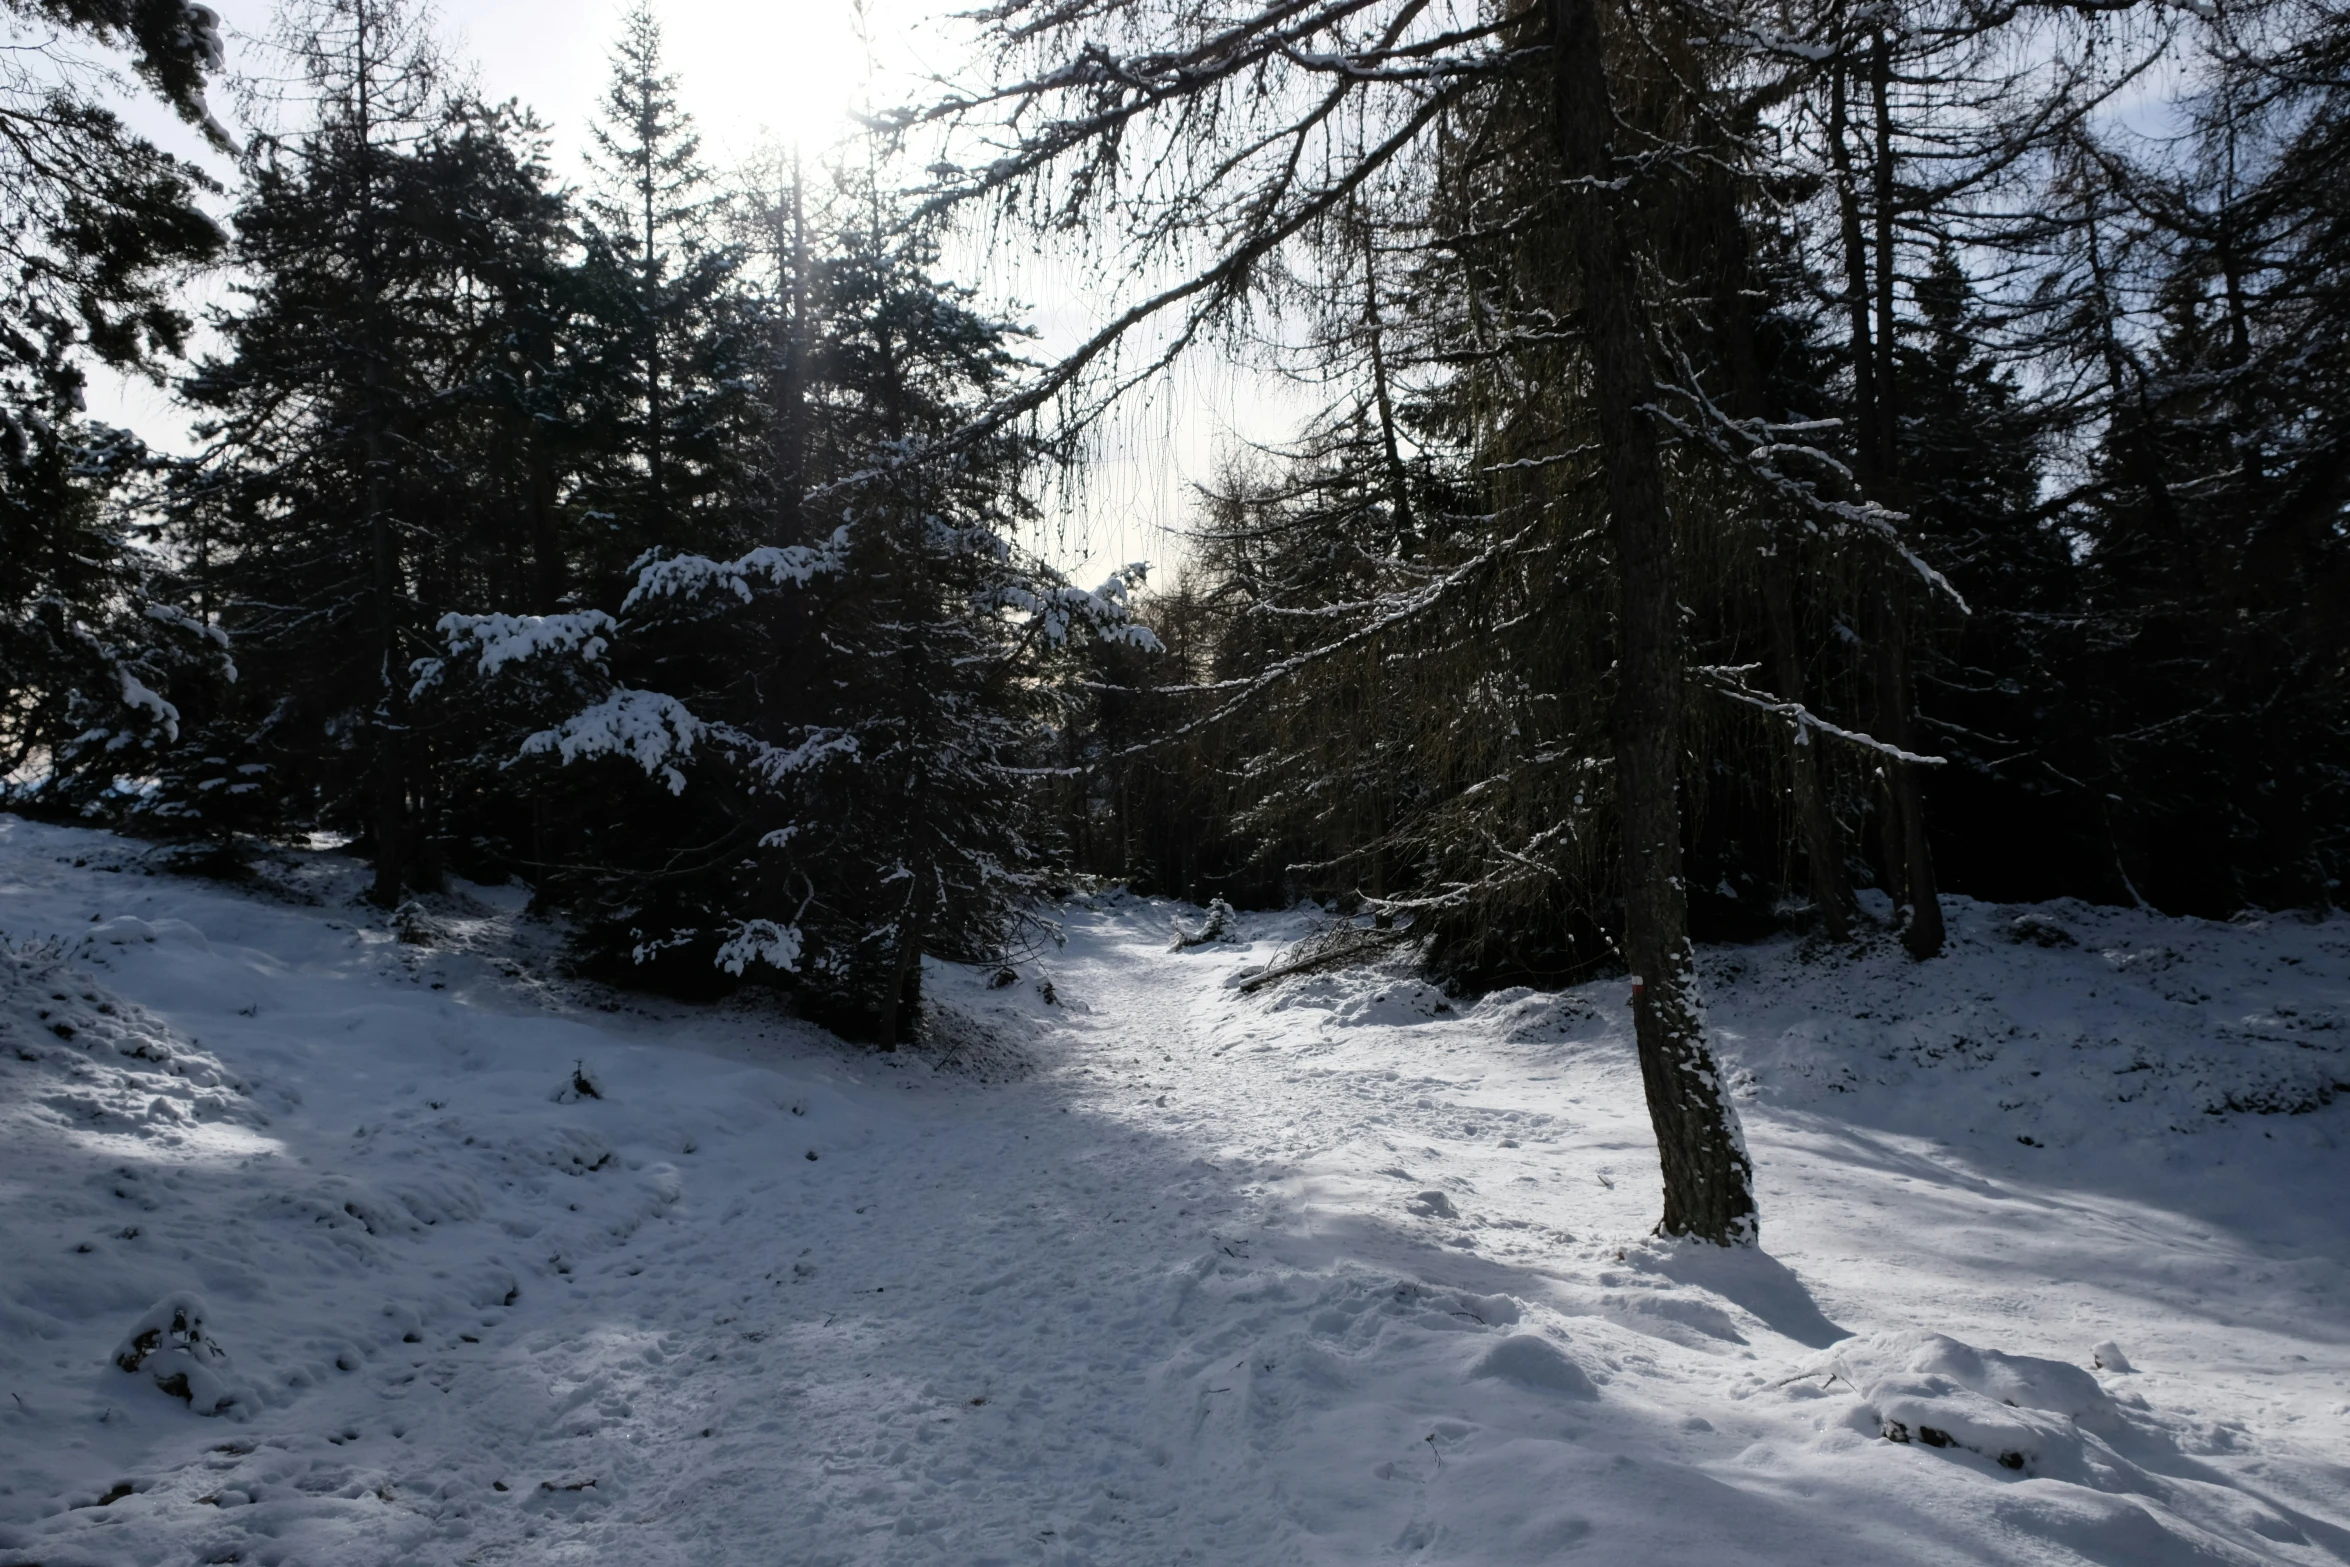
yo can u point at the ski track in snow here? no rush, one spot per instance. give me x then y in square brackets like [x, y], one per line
[1340, 1273]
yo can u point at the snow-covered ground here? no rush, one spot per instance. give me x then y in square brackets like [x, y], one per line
[474, 1265]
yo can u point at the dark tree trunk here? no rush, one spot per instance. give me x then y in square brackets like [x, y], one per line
[1921, 932]
[656, 418]
[391, 780]
[1887, 414]
[542, 490]
[902, 1000]
[1907, 857]
[1856, 271]
[790, 438]
[1823, 853]
[1708, 1181]
[1398, 491]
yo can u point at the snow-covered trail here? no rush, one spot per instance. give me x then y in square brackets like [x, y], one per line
[1338, 1274]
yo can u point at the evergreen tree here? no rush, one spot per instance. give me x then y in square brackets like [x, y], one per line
[1998, 689]
[672, 350]
[834, 742]
[97, 227]
[374, 385]
[102, 662]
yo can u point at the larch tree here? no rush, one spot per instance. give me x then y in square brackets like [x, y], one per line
[1218, 146]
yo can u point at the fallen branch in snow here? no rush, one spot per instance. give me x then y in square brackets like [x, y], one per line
[1338, 947]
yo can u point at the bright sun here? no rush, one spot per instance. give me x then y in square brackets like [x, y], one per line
[750, 71]
[794, 68]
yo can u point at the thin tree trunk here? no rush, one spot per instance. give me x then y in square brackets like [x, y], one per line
[383, 578]
[1708, 1180]
[790, 450]
[546, 546]
[1831, 894]
[391, 784]
[1398, 492]
[1856, 273]
[1887, 411]
[1922, 933]
[656, 428]
[904, 995]
[1823, 855]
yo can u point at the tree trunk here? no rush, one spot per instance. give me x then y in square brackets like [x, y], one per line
[1823, 854]
[656, 420]
[789, 455]
[1856, 273]
[1375, 330]
[546, 544]
[1907, 857]
[391, 782]
[383, 575]
[1708, 1181]
[1922, 932]
[904, 995]
[1888, 410]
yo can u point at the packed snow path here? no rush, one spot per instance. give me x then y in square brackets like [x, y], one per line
[1342, 1272]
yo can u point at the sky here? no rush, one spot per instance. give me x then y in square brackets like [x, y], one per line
[759, 75]
[753, 74]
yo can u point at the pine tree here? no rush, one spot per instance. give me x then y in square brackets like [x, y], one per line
[102, 662]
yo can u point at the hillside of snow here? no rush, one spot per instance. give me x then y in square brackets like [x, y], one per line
[328, 1241]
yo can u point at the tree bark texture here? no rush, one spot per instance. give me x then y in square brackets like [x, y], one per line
[1708, 1180]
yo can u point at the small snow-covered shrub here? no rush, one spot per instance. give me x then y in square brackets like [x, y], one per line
[170, 1345]
[1222, 924]
[2020, 1411]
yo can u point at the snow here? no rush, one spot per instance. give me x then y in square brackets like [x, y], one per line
[651, 729]
[1060, 608]
[500, 640]
[137, 697]
[760, 941]
[689, 576]
[474, 1263]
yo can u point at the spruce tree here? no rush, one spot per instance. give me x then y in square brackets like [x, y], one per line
[374, 380]
[1998, 687]
[829, 748]
[670, 350]
[97, 228]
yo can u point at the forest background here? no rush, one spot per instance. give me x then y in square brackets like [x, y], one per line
[1761, 464]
